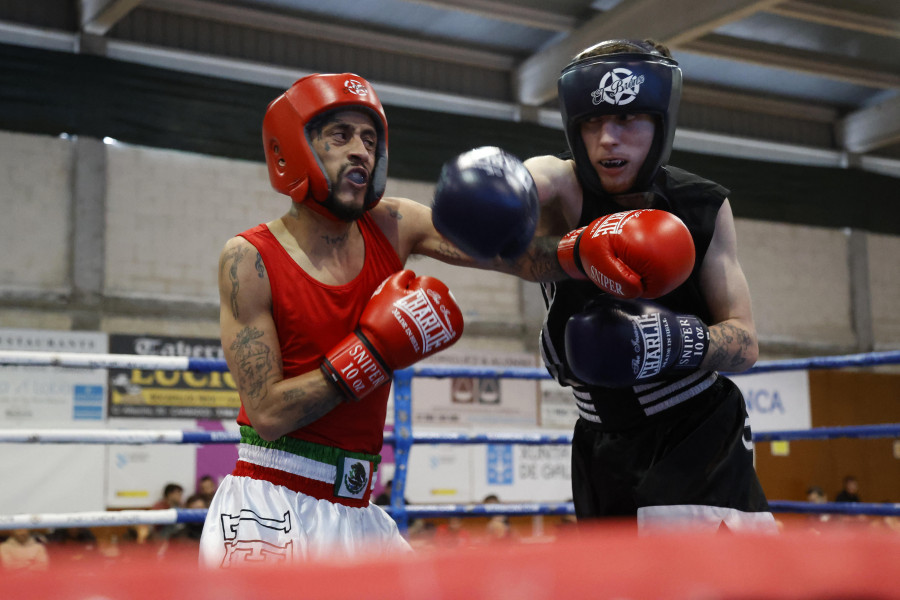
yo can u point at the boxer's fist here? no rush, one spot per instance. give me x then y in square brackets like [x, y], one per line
[407, 319]
[634, 254]
[486, 203]
[619, 343]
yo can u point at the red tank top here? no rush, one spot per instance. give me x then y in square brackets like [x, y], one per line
[312, 317]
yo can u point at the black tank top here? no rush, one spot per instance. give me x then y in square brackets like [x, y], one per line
[696, 201]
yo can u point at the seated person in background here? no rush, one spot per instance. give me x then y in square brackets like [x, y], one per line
[850, 491]
[206, 487]
[172, 497]
[498, 526]
[22, 550]
[817, 495]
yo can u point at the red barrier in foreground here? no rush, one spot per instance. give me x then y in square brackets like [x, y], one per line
[596, 563]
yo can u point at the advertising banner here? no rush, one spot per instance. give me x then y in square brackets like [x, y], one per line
[473, 402]
[142, 393]
[52, 477]
[776, 401]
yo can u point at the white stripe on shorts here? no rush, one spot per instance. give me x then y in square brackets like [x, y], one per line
[287, 462]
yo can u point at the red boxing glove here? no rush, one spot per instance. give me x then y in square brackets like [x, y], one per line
[634, 254]
[407, 319]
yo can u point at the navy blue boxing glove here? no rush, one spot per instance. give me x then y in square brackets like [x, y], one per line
[620, 343]
[486, 203]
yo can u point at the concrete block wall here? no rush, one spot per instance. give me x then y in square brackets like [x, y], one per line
[165, 216]
[884, 283]
[799, 282]
[35, 176]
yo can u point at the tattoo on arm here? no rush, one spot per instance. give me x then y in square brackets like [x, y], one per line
[729, 345]
[260, 266]
[254, 362]
[231, 260]
[542, 263]
[448, 250]
[314, 408]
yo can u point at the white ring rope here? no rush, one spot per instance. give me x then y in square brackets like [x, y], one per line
[90, 519]
[95, 361]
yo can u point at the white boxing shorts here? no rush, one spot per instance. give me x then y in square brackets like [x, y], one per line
[291, 501]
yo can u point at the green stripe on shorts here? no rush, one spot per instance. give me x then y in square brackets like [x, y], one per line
[317, 452]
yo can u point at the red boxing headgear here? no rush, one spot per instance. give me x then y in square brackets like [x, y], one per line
[294, 167]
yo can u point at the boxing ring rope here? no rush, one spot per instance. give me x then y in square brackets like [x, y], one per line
[402, 438]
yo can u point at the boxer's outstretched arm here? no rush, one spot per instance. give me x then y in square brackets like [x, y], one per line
[409, 226]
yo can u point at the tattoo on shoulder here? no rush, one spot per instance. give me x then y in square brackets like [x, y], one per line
[394, 212]
[254, 362]
[260, 266]
[230, 261]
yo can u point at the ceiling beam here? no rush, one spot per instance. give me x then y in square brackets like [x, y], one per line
[871, 128]
[754, 103]
[804, 61]
[680, 21]
[837, 17]
[508, 13]
[321, 30]
[99, 16]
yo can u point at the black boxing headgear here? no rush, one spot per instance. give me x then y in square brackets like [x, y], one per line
[294, 166]
[633, 78]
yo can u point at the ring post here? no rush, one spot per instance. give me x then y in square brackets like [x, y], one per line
[403, 440]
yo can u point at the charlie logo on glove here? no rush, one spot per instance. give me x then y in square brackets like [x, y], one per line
[433, 331]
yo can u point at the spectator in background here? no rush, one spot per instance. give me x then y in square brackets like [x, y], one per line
[850, 491]
[207, 487]
[184, 536]
[22, 550]
[190, 531]
[498, 526]
[173, 494]
[817, 495]
[384, 498]
[452, 534]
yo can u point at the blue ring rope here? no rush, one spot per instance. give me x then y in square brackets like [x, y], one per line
[404, 437]
[142, 437]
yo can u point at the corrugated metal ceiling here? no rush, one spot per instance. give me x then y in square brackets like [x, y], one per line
[823, 74]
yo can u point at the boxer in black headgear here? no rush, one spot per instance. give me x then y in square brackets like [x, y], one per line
[662, 436]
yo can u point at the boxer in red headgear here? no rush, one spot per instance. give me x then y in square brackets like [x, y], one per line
[317, 311]
[291, 120]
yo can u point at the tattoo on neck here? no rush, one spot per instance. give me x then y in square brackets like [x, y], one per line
[336, 240]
